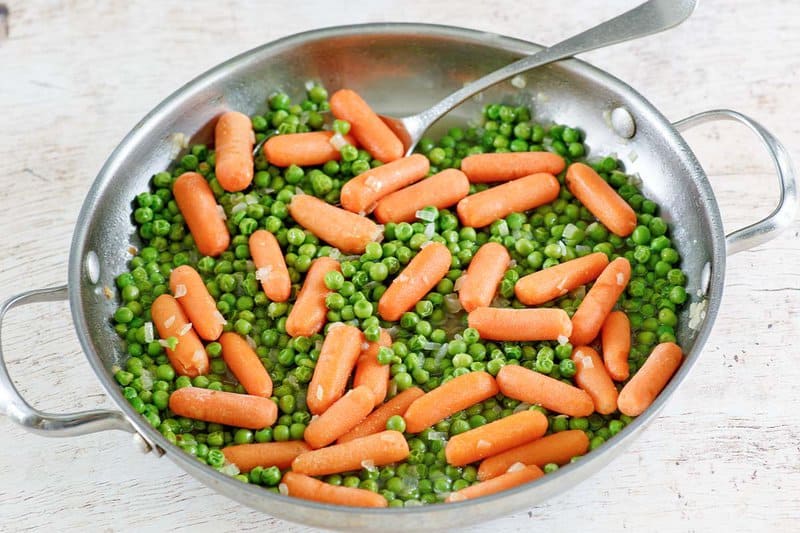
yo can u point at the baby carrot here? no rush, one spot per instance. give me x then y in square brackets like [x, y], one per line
[342, 416]
[308, 488]
[361, 193]
[440, 191]
[421, 275]
[528, 386]
[228, 408]
[366, 126]
[309, 313]
[495, 437]
[270, 265]
[196, 302]
[592, 377]
[483, 208]
[376, 421]
[373, 450]
[558, 448]
[302, 149]
[245, 365]
[616, 340]
[448, 398]
[336, 360]
[370, 372]
[652, 377]
[347, 231]
[506, 481]
[265, 454]
[556, 281]
[233, 144]
[485, 168]
[501, 324]
[199, 208]
[598, 302]
[483, 276]
[189, 357]
[601, 199]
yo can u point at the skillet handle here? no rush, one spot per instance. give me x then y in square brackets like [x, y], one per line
[773, 224]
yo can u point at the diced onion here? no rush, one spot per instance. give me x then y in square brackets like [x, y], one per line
[437, 435]
[230, 469]
[180, 290]
[562, 340]
[251, 199]
[426, 215]
[523, 406]
[430, 346]
[697, 313]
[338, 141]
[460, 282]
[516, 467]
[241, 206]
[502, 228]
[220, 318]
[262, 274]
[378, 233]
[221, 211]
[283, 488]
[430, 229]
[146, 379]
[169, 321]
[309, 84]
[588, 362]
[149, 336]
[368, 465]
[335, 253]
[185, 329]
[164, 343]
[518, 81]
[452, 304]
[250, 341]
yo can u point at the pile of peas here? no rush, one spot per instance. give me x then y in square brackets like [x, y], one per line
[431, 343]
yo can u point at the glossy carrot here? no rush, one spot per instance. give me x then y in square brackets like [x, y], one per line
[302, 149]
[601, 199]
[502, 324]
[616, 340]
[376, 421]
[419, 277]
[495, 437]
[199, 208]
[483, 208]
[271, 266]
[440, 191]
[361, 194]
[196, 302]
[370, 372]
[558, 448]
[366, 126]
[308, 488]
[233, 145]
[483, 276]
[505, 481]
[309, 313]
[337, 357]
[373, 450]
[592, 377]
[265, 454]
[448, 398]
[189, 357]
[485, 168]
[347, 231]
[228, 408]
[342, 416]
[652, 377]
[537, 389]
[245, 365]
[556, 281]
[599, 301]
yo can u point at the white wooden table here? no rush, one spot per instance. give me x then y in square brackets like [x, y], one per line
[76, 76]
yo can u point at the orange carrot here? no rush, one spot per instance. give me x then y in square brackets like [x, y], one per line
[616, 340]
[309, 313]
[228, 408]
[601, 199]
[503, 324]
[592, 377]
[366, 126]
[308, 488]
[233, 144]
[448, 398]
[558, 448]
[483, 208]
[245, 365]
[189, 357]
[485, 168]
[265, 454]
[425, 270]
[483, 276]
[506, 481]
[376, 421]
[336, 360]
[302, 149]
[652, 377]
[528, 386]
[370, 372]
[558, 280]
[269, 261]
[373, 450]
[196, 302]
[361, 194]
[347, 231]
[495, 437]
[199, 208]
[440, 191]
[342, 416]
[598, 302]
